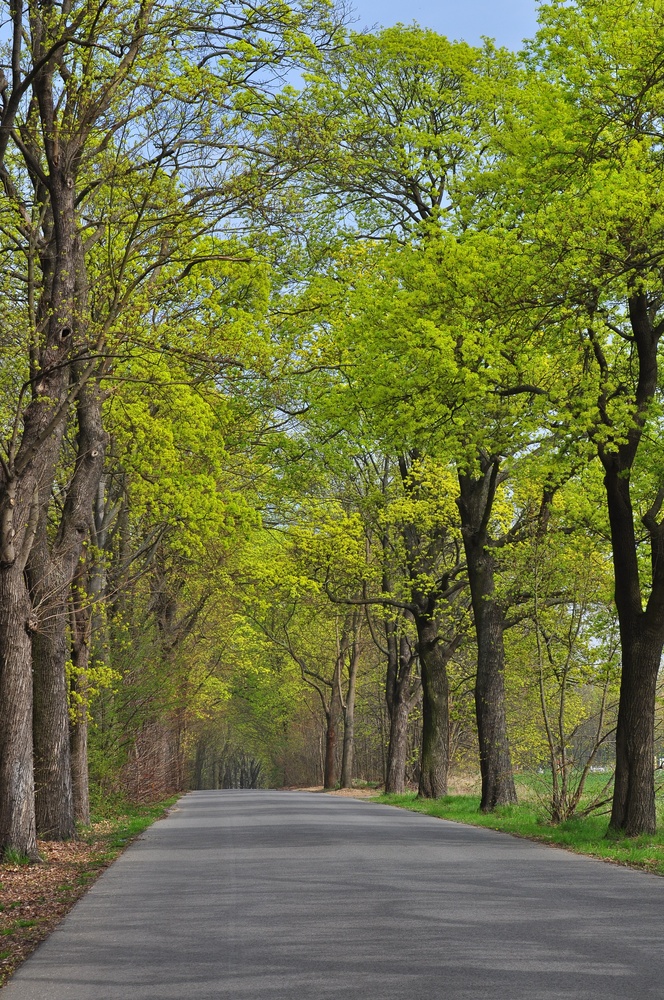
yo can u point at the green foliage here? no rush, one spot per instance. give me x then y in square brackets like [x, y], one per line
[315, 309]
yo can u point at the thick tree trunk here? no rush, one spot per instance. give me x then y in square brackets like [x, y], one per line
[642, 639]
[78, 727]
[475, 503]
[20, 485]
[330, 773]
[17, 813]
[51, 571]
[26, 480]
[395, 780]
[54, 802]
[426, 551]
[19, 515]
[435, 759]
[633, 810]
[498, 787]
[641, 632]
[333, 716]
[32, 452]
[402, 693]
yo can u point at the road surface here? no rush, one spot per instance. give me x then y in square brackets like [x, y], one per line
[295, 896]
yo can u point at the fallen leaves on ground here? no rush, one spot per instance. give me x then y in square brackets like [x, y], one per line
[34, 898]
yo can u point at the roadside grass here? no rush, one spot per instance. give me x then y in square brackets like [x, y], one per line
[588, 835]
[111, 832]
[35, 897]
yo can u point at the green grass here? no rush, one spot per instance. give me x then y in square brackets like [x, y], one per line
[584, 836]
[17, 925]
[113, 831]
[14, 857]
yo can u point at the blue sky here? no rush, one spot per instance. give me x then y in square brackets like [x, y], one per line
[508, 21]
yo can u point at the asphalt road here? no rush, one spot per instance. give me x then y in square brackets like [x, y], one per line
[295, 896]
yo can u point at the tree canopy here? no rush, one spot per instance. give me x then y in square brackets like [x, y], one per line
[330, 407]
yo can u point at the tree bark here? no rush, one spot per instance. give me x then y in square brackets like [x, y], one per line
[27, 473]
[333, 715]
[641, 632]
[402, 693]
[347, 762]
[81, 614]
[50, 572]
[17, 812]
[642, 640]
[330, 772]
[475, 505]
[633, 808]
[106, 512]
[28, 470]
[54, 803]
[395, 781]
[434, 657]
[432, 565]
[32, 457]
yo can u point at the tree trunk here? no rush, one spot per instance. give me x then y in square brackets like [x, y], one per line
[29, 470]
[54, 802]
[333, 716]
[78, 727]
[105, 514]
[633, 810]
[78, 748]
[17, 813]
[395, 780]
[401, 693]
[475, 504]
[51, 573]
[180, 734]
[435, 759]
[498, 787]
[349, 719]
[425, 553]
[641, 632]
[642, 639]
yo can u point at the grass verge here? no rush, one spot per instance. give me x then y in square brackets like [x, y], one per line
[583, 836]
[35, 897]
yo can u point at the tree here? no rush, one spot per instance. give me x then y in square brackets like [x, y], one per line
[591, 210]
[84, 127]
[403, 118]
[325, 645]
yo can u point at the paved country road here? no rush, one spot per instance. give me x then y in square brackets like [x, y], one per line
[294, 896]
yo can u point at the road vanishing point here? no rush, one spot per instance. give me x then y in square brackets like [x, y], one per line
[260, 895]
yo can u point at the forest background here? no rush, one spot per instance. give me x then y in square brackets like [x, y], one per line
[331, 409]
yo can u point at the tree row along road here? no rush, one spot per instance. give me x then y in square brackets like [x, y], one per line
[287, 896]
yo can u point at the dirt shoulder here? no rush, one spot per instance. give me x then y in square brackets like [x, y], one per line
[459, 784]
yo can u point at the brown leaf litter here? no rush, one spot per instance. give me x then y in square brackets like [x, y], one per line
[34, 898]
